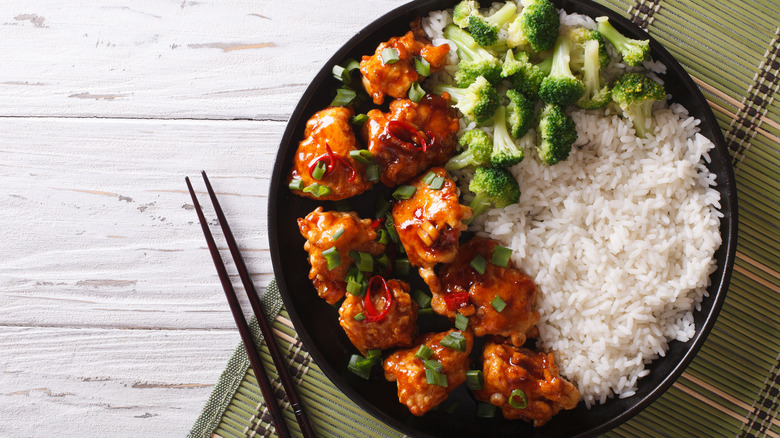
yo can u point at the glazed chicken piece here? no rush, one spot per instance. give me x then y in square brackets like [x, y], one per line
[411, 137]
[413, 390]
[319, 229]
[429, 223]
[466, 291]
[394, 79]
[394, 319]
[506, 368]
[328, 140]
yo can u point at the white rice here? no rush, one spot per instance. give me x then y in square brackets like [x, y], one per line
[620, 239]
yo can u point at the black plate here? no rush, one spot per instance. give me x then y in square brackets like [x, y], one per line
[317, 323]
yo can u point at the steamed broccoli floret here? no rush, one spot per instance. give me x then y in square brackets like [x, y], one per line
[555, 133]
[484, 30]
[536, 26]
[519, 113]
[579, 36]
[635, 93]
[505, 152]
[478, 102]
[462, 11]
[492, 185]
[596, 91]
[526, 77]
[475, 61]
[633, 51]
[561, 87]
[478, 147]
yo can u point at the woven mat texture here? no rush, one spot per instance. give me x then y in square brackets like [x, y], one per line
[732, 51]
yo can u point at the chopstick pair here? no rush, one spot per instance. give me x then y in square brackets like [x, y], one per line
[243, 328]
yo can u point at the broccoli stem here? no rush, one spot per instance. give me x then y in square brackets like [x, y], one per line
[468, 49]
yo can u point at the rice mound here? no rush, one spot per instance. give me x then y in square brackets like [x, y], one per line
[620, 239]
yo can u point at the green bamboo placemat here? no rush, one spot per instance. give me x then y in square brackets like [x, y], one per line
[732, 387]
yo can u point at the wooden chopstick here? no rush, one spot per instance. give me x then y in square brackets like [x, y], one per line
[243, 328]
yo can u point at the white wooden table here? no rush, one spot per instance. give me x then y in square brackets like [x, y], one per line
[112, 320]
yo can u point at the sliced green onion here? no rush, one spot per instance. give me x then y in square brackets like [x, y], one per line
[416, 93]
[425, 311]
[317, 190]
[428, 178]
[359, 119]
[296, 184]
[501, 256]
[437, 183]
[474, 380]
[342, 205]
[433, 364]
[390, 227]
[366, 262]
[359, 366]
[344, 97]
[383, 260]
[338, 234]
[424, 352]
[452, 407]
[373, 354]
[389, 55]
[454, 340]
[382, 236]
[382, 207]
[362, 156]
[498, 304]
[359, 317]
[373, 173]
[319, 170]
[479, 264]
[461, 321]
[434, 378]
[355, 288]
[332, 256]
[485, 410]
[342, 74]
[421, 66]
[354, 274]
[404, 192]
[402, 267]
[352, 64]
[423, 300]
[518, 399]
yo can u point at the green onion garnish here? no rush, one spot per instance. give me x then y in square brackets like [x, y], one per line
[501, 256]
[421, 66]
[416, 93]
[437, 183]
[296, 184]
[333, 258]
[423, 300]
[382, 236]
[404, 192]
[361, 366]
[434, 378]
[319, 170]
[362, 156]
[372, 172]
[363, 260]
[352, 64]
[428, 178]
[373, 354]
[433, 364]
[461, 321]
[342, 74]
[359, 119]
[382, 207]
[424, 352]
[479, 264]
[402, 267]
[355, 287]
[518, 399]
[317, 190]
[474, 380]
[359, 317]
[454, 340]
[425, 311]
[389, 55]
[354, 274]
[390, 227]
[383, 260]
[338, 234]
[485, 410]
[452, 407]
[498, 304]
[344, 97]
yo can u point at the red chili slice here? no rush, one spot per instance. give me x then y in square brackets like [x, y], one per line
[368, 305]
[407, 135]
[456, 300]
[377, 223]
[331, 158]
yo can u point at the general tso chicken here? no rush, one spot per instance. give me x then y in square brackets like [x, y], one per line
[391, 69]
[497, 300]
[411, 137]
[430, 221]
[525, 384]
[330, 238]
[385, 316]
[431, 369]
[323, 168]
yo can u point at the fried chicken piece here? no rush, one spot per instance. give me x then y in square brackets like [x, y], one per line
[396, 328]
[506, 368]
[411, 137]
[329, 139]
[464, 290]
[394, 79]
[319, 229]
[409, 371]
[429, 223]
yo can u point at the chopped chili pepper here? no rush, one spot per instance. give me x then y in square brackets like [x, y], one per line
[407, 135]
[331, 159]
[368, 305]
[456, 300]
[377, 223]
